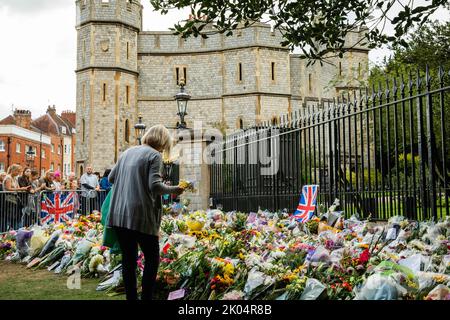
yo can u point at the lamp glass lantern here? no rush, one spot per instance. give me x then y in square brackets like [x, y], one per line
[182, 99]
[30, 155]
[140, 129]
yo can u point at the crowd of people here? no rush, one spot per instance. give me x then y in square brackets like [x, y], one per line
[21, 189]
[24, 179]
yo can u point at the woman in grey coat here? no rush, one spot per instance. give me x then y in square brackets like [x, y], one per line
[135, 209]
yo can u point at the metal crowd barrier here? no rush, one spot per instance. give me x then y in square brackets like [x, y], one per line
[23, 209]
[18, 209]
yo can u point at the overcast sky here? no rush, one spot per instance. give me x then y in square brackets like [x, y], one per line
[38, 52]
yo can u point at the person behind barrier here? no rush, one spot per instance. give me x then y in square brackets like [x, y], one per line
[24, 179]
[14, 204]
[89, 187]
[136, 210]
[32, 206]
[104, 183]
[71, 183]
[36, 187]
[47, 181]
[2, 178]
[57, 182]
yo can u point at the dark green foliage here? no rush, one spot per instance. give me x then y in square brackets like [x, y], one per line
[318, 27]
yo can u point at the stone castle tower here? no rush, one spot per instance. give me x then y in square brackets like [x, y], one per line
[107, 79]
[235, 82]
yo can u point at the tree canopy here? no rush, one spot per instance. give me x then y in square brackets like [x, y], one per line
[428, 46]
[317, 27]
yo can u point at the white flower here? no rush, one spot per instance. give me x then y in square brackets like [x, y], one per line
[252, 260]
[277, 254]
[266, 266]
[234, 295]
[95, 262]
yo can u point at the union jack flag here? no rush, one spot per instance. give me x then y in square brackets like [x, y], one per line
[57, 207]
[307, 204]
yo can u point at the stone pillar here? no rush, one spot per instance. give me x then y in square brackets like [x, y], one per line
[194, 168]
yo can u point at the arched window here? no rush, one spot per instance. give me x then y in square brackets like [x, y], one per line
[83, 103]
[240, 123]
[274, 120]
[81, 170]
[240, 72]
[104, 92]
[272, 71]
[83, 130]
[310, 82]
[127, 131]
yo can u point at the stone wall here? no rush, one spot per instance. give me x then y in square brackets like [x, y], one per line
[113, 53]
[194, 169]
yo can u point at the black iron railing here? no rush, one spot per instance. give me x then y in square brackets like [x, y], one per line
[382, 152]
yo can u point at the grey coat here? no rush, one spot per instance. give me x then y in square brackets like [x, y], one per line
[136, 199]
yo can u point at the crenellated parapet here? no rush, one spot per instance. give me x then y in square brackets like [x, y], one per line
[165, 42]
[124, 12]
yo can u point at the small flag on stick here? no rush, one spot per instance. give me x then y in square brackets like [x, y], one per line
[307, 204]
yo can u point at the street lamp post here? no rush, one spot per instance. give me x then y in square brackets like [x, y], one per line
[140, 129]
[182, 99]
[30, 157]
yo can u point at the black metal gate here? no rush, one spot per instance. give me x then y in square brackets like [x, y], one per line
[382, 152]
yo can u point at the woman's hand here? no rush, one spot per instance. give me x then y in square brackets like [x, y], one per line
[178, 190]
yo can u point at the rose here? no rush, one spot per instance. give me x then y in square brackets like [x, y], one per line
[364, 257]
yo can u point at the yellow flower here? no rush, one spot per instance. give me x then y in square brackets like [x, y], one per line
[290, 277]
[227, 280]
[299, 268]
[228, 269]
[440, 278]
[393, 257]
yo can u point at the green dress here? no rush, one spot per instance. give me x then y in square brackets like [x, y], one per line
[109, 235]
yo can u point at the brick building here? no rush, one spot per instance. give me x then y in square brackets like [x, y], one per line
[17, 135]
[61, 131]
[51, 138]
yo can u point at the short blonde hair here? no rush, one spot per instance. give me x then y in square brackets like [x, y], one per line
[158, 137]
[13, 167]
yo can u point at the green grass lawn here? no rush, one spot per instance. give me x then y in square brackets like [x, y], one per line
[19, 283]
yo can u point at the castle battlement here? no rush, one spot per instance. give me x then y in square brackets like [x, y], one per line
[124, 12]
[165, 42]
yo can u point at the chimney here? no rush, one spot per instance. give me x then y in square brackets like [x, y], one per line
[51, 110]
[23, 118]
[70, 117]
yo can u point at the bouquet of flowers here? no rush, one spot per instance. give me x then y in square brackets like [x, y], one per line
[196, 220]
[187, 185]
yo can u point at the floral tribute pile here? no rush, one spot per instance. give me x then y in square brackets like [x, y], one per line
[264, 255]
[61, 248]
